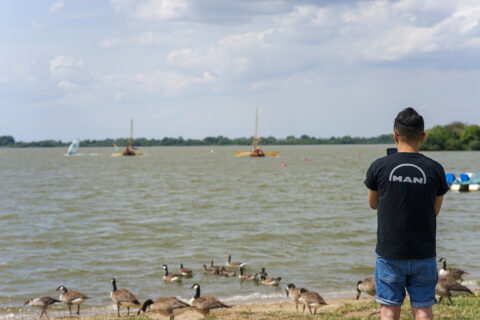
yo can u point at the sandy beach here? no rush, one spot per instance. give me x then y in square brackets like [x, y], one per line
[258, 311]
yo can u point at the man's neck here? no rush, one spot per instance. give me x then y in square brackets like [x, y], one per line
[403, 146]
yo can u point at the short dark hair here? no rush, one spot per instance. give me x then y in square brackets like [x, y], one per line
[409, 124]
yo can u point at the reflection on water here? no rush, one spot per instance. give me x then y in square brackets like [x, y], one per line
[79, 221]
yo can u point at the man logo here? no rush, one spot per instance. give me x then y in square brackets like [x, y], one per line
[408, 178]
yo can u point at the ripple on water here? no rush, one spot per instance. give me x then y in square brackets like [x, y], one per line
[79, 221]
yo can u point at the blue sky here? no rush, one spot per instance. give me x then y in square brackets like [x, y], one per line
[82, 69]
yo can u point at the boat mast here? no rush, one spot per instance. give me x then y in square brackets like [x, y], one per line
[130, 142]
[255, 138]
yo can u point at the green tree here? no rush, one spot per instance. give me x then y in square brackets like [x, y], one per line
[470, 134]
[435, 139]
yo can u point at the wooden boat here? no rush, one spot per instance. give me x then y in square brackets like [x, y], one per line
[256, 151]
[130, 150]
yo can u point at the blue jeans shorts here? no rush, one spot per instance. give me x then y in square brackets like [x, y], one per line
[419, 277]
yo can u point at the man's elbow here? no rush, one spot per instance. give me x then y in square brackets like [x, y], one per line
[373, 206]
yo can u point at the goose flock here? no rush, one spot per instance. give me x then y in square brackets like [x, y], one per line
[447, 285]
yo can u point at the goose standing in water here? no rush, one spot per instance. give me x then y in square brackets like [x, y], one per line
[205, 303]
[446, 286]
[71, 297]
[233, 264]
[42, 303]
[170, 277]
[270, 281]
[454, 273]
[123, 297]
[164, 306]
[243, 276]
[367, 286]
[294, 294]
[311, 299]
[185, 272]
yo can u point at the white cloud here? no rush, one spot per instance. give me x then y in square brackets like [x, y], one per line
[66, 85]
[152, 9]
[171, 83]
[63, 65]
[56, 6]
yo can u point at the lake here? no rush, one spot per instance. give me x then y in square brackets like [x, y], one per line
[78, 221]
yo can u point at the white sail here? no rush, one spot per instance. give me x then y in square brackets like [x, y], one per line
[73, 149]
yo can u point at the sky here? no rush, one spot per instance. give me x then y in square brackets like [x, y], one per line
[81, 69]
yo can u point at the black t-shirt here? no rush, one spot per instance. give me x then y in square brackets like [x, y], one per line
[407, 186]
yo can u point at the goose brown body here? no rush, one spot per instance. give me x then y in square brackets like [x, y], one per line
[205, 303]
[123, 298]
[233, 264]
[72, 297]
[312, 300]
[294, 294]
[164, 305]
[454, 273]
[446, 286]
[367, 286]
[42, 303]
[170, 277]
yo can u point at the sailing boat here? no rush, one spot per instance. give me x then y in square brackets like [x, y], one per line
[256, 151]
[73, 148]
[130, 149]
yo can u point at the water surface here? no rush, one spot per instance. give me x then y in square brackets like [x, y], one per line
[78, 221]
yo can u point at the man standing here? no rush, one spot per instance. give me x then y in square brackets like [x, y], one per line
[407, 190]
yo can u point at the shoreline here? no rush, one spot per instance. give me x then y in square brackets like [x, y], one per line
[238, 311]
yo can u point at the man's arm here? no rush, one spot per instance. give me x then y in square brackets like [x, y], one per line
[373, 199]
[438, 204]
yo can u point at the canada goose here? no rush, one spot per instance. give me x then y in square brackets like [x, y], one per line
[447, 285]
[123, 297]
[205, 303]
[185, 272]
[208, 270]
[453, 273]
[212, 266]
[233, 264]
[72, 297]
[41, 303]
[270, 281]
[367, 286]
[312, 300]
[243, 276]
[258, 276]
[164, 306]
[294, 294]
[170, 277]
[227, 273]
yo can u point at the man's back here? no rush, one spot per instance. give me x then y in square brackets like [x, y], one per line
[407, 185]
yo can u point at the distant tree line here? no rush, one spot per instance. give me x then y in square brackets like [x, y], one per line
[9, 141]
[454, 136]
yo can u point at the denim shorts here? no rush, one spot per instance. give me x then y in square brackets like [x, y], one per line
[419, 277]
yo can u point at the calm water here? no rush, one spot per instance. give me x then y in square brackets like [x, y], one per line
[79, 221]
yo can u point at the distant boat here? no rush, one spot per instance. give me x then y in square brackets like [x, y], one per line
[256, 151]
[73, 148]
[130, 150]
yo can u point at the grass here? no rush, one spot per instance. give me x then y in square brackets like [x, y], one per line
[464, 308]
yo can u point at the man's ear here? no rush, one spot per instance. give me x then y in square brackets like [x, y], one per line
[395, 136]
[423, 137]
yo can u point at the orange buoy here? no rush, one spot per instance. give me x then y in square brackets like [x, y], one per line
[283, 164]
[357, 156]
[305, 159]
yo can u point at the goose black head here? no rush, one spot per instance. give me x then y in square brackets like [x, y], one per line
[62, 288]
